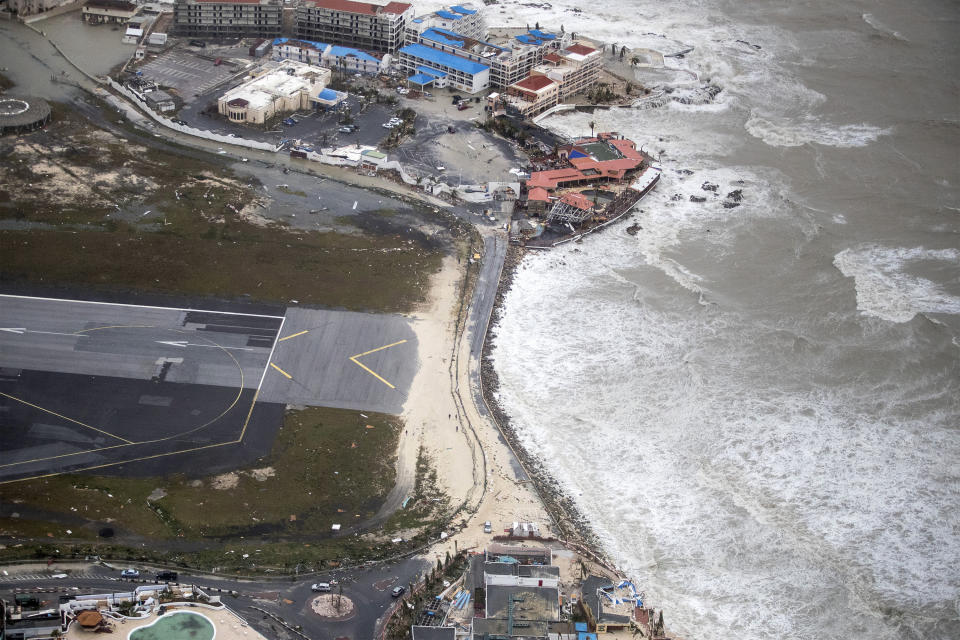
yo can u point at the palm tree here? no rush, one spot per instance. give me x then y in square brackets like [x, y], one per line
[592, 123]
[635, 60]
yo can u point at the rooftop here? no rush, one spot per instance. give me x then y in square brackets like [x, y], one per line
[580, 49]
[341, 52]
[534, 83]
[529, 603]
[366, 8]
[443, 58]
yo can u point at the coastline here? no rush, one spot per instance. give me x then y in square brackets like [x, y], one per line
[563, 510]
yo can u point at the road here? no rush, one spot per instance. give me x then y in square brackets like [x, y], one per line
[369, 589]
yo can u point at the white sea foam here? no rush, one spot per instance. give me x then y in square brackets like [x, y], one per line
[756, 463]
[881, 28]
[787, 132]
[886, 289]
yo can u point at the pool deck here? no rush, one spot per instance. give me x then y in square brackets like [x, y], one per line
[228, 626]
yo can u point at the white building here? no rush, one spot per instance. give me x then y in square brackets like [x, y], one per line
[332, 56]
[466, 19]
[288, 87]
[451, 70]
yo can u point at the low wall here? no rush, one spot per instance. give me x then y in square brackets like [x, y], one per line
[191, 131]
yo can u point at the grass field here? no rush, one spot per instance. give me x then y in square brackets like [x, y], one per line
[327, 466]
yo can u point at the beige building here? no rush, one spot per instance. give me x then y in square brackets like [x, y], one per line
[108, 11]
[575, 68]
[533, 95]
[285, 88]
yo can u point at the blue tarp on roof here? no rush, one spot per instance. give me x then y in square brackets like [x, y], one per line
[431, 72]
[463, 10]
[457, 38]
[444, 37]
[328, 94]
[543, 35]
[442, 58]
[448, 15]
[527, 39]
[319, 45]
[340, 52]
[578, 154]
[421, 79]
[418, 20]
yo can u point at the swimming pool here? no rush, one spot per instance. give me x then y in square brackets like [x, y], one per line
[178, 625]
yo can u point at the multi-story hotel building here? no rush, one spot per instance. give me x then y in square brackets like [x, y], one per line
[508, 64]
[364, 25]
[216, 19]
[575, 68]
[465, 19]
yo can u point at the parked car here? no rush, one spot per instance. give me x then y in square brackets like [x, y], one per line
[456, 99]
[289, 122]
[345, 130]
[488, 527]
[129, 573]
[320, 587]
[398, 591]
[462, 105]
[198, 43]
[168, 576]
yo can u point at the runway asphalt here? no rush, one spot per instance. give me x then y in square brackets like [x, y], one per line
[141, 390]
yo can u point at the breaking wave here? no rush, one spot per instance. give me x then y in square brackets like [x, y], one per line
[783, 132]
[886, 289]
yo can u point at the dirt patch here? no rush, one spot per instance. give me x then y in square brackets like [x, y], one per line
[333, 607]
[225, 481]
[262, 474]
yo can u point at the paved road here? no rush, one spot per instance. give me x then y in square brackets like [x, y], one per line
[289, 599]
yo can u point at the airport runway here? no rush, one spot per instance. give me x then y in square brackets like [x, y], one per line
[138, 390]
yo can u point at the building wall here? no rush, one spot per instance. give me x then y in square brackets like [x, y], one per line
[31, 7]
[103, 15]
[226, 19]
[471, 83]
[379, 32]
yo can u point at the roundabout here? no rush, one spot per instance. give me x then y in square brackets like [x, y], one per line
[19, 114]
[332, 606]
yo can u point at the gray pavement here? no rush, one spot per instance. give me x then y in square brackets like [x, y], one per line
[317, 368]
[129, 341]
[188, 72]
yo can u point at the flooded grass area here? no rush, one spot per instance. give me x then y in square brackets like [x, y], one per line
[327, 466]
[80, 206]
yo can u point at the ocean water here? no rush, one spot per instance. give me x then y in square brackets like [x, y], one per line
[765, 399]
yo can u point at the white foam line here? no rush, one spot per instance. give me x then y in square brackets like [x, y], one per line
[141, 306]
[266, 367]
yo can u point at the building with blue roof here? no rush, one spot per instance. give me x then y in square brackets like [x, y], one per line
[339, 58]
[462, 73]
[466, 19]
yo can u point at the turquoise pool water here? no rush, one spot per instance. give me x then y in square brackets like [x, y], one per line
[179, 625]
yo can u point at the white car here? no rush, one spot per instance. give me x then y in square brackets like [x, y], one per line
[129, 573]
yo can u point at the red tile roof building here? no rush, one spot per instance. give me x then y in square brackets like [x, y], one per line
[533, 95]
[354, 24]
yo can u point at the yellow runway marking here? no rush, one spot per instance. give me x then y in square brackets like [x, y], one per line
[288, 376]
[294, 335]
[54, 413]
[354, 360]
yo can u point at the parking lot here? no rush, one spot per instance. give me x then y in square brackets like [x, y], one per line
[189, 72]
